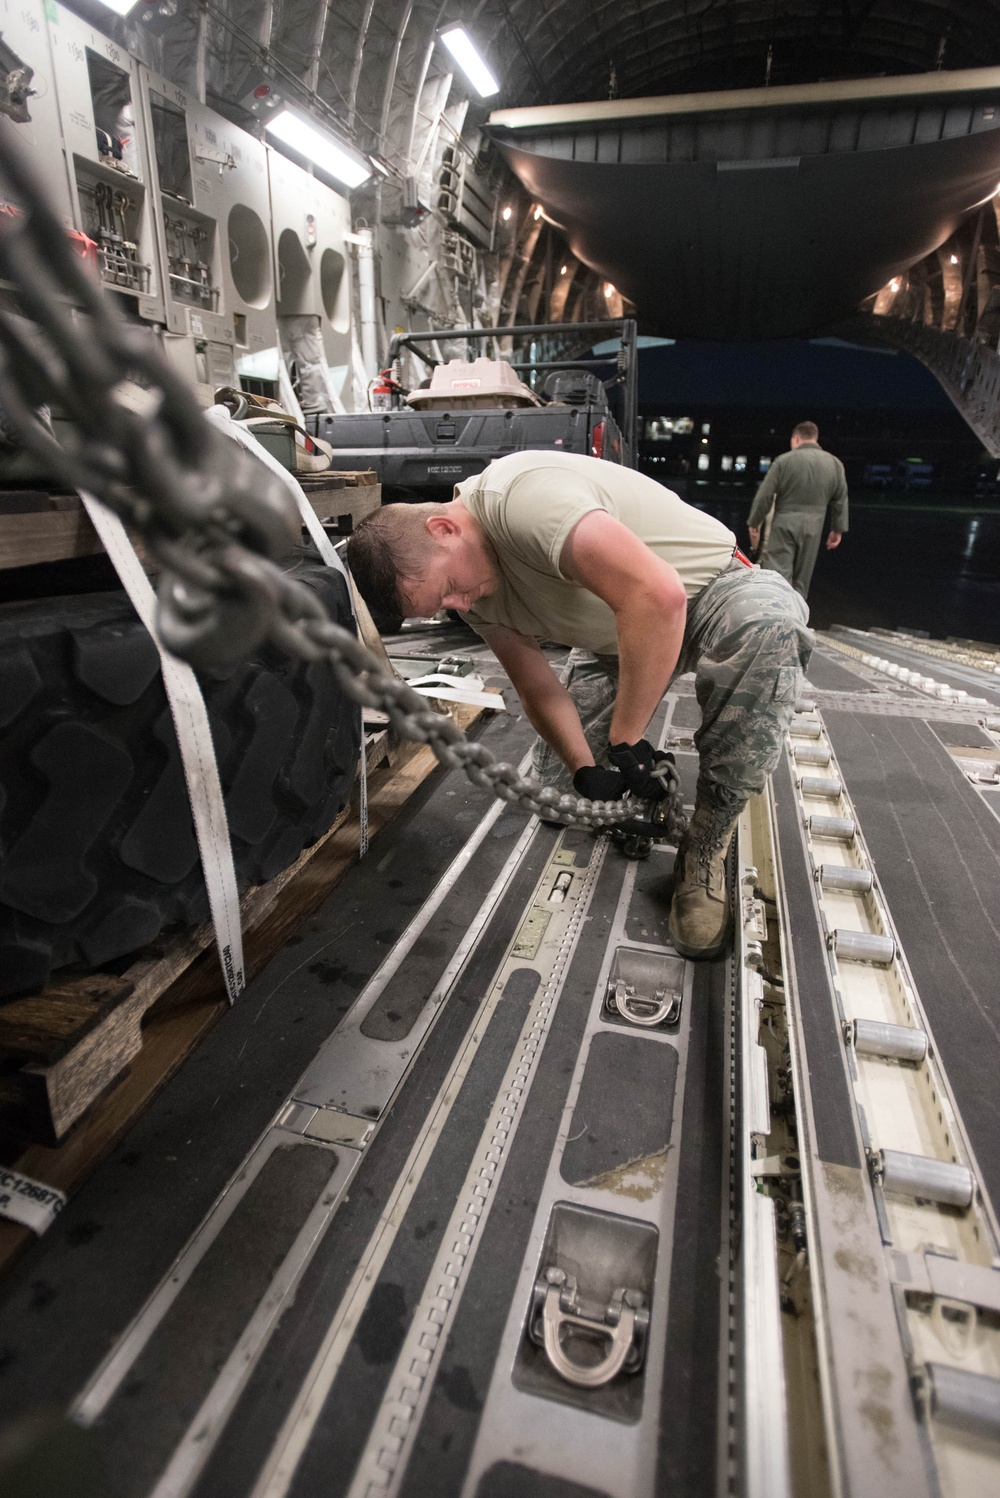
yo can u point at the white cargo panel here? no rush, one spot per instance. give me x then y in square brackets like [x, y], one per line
[230, 186]
[212, 182]
[96, 80]
[192, 244]
[312, 262]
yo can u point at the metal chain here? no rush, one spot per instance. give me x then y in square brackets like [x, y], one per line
[215, 520]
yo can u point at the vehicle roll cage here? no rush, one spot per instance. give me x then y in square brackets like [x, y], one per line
[625, 361]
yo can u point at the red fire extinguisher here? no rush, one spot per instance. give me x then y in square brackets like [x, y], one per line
[382, 391]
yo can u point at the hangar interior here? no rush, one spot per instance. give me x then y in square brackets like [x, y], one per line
[475, 1186]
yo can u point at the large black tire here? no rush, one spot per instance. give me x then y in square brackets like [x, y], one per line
[98, 849]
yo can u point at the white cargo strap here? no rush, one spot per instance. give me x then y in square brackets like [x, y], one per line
[194, 738]
[221, 417]
[28, 1202]
[448, 688]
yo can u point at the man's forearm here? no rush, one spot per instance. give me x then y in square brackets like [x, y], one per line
[761, 504]
[552, 713]
[838, 513]
[649, 647]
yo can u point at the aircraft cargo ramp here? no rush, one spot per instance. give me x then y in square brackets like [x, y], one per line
[482, 1190]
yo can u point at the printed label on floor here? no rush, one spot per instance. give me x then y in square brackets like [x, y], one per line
[28, 1202]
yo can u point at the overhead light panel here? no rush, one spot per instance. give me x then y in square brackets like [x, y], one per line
[463, 50]
[319, 147]
[120, 7]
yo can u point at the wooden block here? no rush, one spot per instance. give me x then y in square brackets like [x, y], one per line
[67, 1087]
[43, 1027]
[40, 536]
[356, 478]
[337, 501]
[39, 527]
[364, 478]
[377, 748]
[65, 530]
[321, 483]
[30, 501]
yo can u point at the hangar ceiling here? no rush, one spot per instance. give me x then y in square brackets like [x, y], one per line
[558, 51]
[373, 71]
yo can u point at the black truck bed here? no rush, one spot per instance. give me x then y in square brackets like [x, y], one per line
[423, 454]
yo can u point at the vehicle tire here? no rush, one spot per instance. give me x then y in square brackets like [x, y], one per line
[98, 848]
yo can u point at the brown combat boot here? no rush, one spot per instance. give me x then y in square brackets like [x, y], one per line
[701, 917]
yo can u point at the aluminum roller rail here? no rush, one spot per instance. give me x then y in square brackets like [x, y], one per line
[897, 1231]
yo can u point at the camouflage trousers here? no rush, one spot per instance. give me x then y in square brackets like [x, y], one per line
[748, 644]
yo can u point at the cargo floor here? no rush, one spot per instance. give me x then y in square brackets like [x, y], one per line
[309, 1268]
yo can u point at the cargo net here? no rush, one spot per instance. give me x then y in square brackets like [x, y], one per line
[214, 520]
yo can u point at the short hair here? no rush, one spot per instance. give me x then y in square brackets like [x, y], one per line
[807, 430]
[387, 547]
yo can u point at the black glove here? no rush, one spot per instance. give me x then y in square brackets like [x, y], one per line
[647, 772]
[598, 784]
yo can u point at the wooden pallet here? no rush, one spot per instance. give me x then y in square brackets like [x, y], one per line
[60, 1050]
[342, 499]
[80, 1061]
[36, 526]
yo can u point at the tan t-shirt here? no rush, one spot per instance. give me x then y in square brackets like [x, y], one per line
[527, 503]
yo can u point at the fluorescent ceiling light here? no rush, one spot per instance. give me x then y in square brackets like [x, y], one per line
[318, 147]
[120, 7]
[463, 50]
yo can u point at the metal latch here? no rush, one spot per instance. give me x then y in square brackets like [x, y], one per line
[557, 1320]
[641, 1009]
[456, 665]
[754, 918]
[754, 912]
[222, 159]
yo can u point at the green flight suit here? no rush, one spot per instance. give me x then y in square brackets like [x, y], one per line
[801, 483]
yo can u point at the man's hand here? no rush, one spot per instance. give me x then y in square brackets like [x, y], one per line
[647, 772]
[753, 531]
[598, 784]
[833, 540]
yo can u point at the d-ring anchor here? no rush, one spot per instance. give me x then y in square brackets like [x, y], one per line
[626, 1320]
[640, 1008]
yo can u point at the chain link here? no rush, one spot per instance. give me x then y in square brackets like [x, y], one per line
[214, 520]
